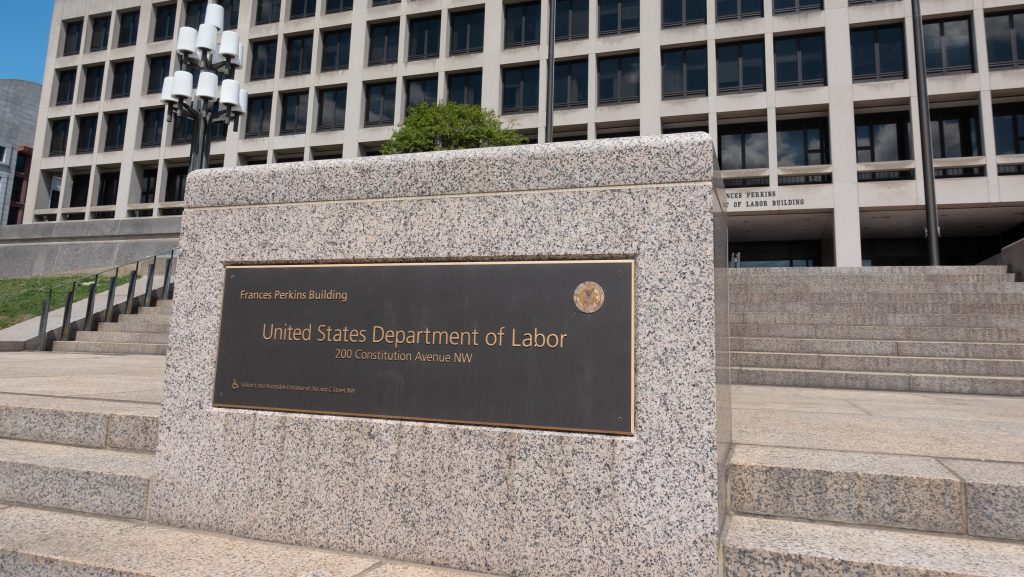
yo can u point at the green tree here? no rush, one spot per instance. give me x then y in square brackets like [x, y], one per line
[449, 126]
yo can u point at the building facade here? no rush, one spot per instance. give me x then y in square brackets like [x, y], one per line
[19, 105]
[811, 103]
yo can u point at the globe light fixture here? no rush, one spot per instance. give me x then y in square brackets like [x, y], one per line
[203, 87]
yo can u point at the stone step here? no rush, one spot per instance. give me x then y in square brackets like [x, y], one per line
[870, 270]
[155, 327]
[881, 364]
[961, 277]
[747, 287]
[931, 383]
[80, 422]
[879, 307]
[766, 296]
[101, 481]
[156, 317]
[122, 337]
[759, 546]
[848, 332]
[1005, 321]
[158, 309]
[879, 347]
[899, 491]
[108, 348]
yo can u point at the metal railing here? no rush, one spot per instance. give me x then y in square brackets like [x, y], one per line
[131, 302]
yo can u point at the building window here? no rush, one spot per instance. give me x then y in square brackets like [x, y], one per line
[520, 89]
[743, 146]
[948, 47]
[572, 19]
[420, 91]
[618, 16]
[784, 6]
[72, 37]
[331, 112]
[571, 83]
[79, 190]
[59, 136]
[175, 191]
[65, 87]
[800, 61]
[257, 121]
[184, 126]
[386, 2]
[883, 137]
[294, 106]
[159, 68]
[464, 88]
[218, 130]
[117, 122]
[741, 67]
[737, 9]
[148, 186]
[164, 19]
[336, 49]
[268, 11]
[803, 142]
[956, 132]
[1009, 128]
[424, 38]
[618, 79]
[152, 127]
[195, 13]
[338, 6]
[1004, 34]
[878, 53]
[93, 83]
[122, 80]
[127, 28]
[299, 59]
[264, 60]
[467, 32]
[100, 33]
[302, 9]
[522, 24]
[682, 12]
[380, 104]
[230, 13]
[108, 188]
[684, 72]
[86, 134]
[384, 43]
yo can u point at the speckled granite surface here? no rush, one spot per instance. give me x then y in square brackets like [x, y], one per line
[995, 497]
[505, 501]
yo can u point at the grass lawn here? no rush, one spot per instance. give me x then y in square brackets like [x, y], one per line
[21, 298]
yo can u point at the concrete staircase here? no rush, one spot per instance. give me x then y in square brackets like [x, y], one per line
[941, 329]
[142, 333]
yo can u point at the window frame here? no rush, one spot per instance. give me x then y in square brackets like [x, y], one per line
[267, 12]
[368, 100]
[433, 41]
[523, 105]
[158, 126]
[572, 11]
[320, 126]
[619, 29]
[79, 27]
[416, 80]
[301, 105]
[65, 135]
[343, 6]
[155, 82]
[134, 17]
[65, 93]
[388, 26]
[103, 192]
[618, 97]
[569, 64]
[1016, 54]
[904, 138]
[344, 49]
[93, 36]
[262, 114]
[798, 6]
[304, 56]
[308, 6]
[741, 86]
[88, 127]
[470, 16]
[801, 82]
[938, 116]
[803, 125]
[744, 130]
[116, 67]
[95, 82]
[684, 72]
[944, 69]
[740, 13]
[466, 88]
[685, 11]
[166, 33]
[878, 74]
[269, 69]
[523, 21]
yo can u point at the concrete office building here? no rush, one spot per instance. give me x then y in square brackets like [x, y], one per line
[811, 103]
[19, 105]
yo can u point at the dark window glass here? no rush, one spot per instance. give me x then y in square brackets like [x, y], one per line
[331, 112]
[128, 28]
[294, 106]
[65, 87]
[465, 88]
[148, 186]
[803, 142]
[520, 89]
[230, 13]
[883, 137]
[195, 13]
[122, 80]
[424, 37]
[618, 16]
[735, 9]
[175, 191]
[268, 11]
[741, 66]
[108, 188]
[1009, 128]
[956, 132]
[183, 128]
[100, 33]
[117, 122]
[572, 19]
[680, 12]
[522, 24]
[264, 60]
[59, 136]
[571, 83]
[743, 146]
[19, 164]
[336, 49]
[159, 68]
[257, 121]
[338, 6]
[152, 127]
[878, 53]
[86, 134]
[1004, 34]
[303, 9]
[684, 72]
[384, 43]
[380, 104]
[386, 2]
[800, 60]
[948, 46]
[72, 37]
[299, 59]
[164, 17]
[783, 6]
[467, 32]
[93, 83]
[420, 91]
[218, 130]
[79, 190]
[618, 78]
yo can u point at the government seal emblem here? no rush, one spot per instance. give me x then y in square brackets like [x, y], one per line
[589, 297]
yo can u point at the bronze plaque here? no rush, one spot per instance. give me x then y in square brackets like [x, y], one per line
[542, 345]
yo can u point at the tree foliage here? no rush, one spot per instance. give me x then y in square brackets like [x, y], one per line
[449, 126]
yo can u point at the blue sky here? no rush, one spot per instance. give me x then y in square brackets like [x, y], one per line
[24, 30]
